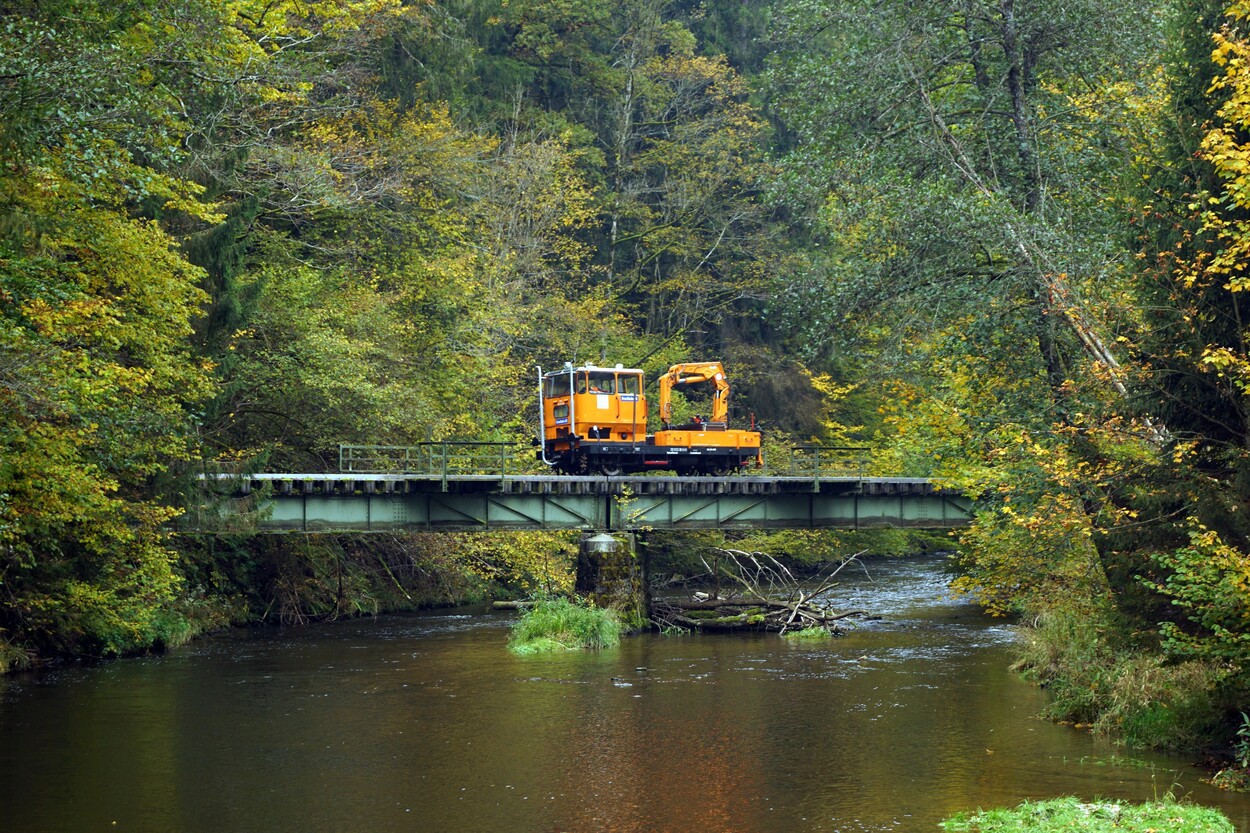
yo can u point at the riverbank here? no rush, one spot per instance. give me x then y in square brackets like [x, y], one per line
[221, 581]
[224, 582]
[1099, 675]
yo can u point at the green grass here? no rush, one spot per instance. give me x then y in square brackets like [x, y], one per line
[561, 625]
[808, 634]
[13, 658]
[1070, 814]
[1124, 692]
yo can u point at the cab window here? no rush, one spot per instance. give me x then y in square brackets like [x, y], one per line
[557, 385]
[598, 381]
[629, 384]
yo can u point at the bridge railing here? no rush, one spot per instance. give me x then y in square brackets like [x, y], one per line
[817, 461]
[442, 458]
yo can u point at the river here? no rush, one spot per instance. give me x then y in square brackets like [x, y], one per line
[427, 723]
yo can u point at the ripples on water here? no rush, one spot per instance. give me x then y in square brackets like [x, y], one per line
[427, 723]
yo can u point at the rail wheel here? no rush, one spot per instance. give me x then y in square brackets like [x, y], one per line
[610, 469]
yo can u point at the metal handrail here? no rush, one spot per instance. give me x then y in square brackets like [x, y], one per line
[436, 458]
[817, 461]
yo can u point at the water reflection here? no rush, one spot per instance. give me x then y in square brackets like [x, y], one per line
[427, 723]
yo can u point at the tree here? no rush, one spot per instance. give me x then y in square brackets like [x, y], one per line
[960, 153]
[110, 114]
[953, 164]
[97, 397]
[674, 148]
[1192, 539]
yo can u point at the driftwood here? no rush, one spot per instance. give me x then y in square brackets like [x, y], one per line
[767, 597]
[523, 604]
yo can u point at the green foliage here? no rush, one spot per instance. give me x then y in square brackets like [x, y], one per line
[562, 625]
[1097, 677]
[13, 658]
[812, 634]
[1190, 227]
[374, 269]
[964, 185]
[313, 577]
[925, 139]
[1071, 653]
[1080, 499]
[97, 395]
[526, 563]
[1175, 524]
[1237, 776]
[672, 147]
[1157, 705]
[1209, 581]
[1071, 814]
[1023, 549]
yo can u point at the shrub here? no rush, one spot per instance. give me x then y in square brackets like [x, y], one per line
[1161, 706]
[13, 657]
[562, 625]
[1067, 653]
[1124, 691]
[1236, 776]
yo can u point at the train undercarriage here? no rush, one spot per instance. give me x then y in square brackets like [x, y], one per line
[614, 458]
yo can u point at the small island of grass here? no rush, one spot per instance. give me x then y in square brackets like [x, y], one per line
[1071, 814]
[562, 625]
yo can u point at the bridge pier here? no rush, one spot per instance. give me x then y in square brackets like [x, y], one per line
[612, 574]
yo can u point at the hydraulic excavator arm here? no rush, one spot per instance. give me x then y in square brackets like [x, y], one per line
[696, 373]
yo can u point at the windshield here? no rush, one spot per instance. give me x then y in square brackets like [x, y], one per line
[556, 385]
[596, 381]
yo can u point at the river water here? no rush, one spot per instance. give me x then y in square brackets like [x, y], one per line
[427, 723]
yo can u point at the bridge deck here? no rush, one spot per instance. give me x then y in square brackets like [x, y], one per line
[387, 502]
[347, 485]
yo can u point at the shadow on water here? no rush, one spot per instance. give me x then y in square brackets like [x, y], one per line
[427, 723]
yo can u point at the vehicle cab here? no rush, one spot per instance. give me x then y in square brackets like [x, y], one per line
[590, 405]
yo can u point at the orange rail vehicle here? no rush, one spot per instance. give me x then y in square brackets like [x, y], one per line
[594, 419]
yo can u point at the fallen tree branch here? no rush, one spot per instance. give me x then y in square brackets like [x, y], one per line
[771, 598]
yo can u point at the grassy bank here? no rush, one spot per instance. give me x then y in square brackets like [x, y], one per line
[1063, 815]
[1100, 675]
[224, 581]
[1096, 674]
[562, 625]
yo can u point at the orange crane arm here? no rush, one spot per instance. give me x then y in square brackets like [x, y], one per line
[695, 373]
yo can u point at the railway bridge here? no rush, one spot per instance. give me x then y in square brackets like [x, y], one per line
[476, 486]
[428, 488]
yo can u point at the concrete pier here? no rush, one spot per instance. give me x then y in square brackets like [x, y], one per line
[611, 573]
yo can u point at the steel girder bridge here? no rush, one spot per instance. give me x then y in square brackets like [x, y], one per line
[389, 502]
